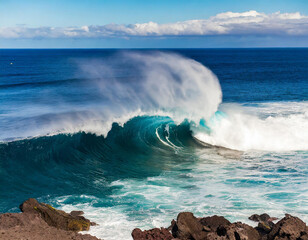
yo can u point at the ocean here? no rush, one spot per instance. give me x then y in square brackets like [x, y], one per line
[133, 137]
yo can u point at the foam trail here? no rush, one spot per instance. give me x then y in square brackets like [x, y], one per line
[271, 128]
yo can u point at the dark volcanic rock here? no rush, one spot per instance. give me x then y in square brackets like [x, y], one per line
[22, 226]
[262, 218]
[152, 234]
[264, 227]
[188, 226]
[76, 213]
[289, 228]
[54, 217]
[241, 231]
[257, 218]
[265, 223]
[214, 222]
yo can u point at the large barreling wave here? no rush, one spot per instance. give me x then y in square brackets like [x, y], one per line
[132, 84]
[134, 137]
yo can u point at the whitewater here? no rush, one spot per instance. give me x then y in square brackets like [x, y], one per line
[134, 137]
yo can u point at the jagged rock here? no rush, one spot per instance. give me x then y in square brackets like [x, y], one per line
[264, 227]
[214, 222]
[257, 218]
[22, 226]
[152, 234]
[76, 213]
[54, 217]
[173, 222]
[262, 218]
[265, 223]
[187, 226]
[291, 228]
[241, 231]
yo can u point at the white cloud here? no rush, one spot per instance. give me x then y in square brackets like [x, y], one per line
[227, 23]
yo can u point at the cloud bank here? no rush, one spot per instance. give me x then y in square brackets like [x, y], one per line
[227, 23]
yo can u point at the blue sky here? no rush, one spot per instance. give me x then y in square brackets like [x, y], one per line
[34, 23]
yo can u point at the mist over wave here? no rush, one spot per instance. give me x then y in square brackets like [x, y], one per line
[166, 84]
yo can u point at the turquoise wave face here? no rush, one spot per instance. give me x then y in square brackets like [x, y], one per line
[70, 164]
[214, 119]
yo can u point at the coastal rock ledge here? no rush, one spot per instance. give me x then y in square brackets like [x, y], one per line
[188, 227]
[40, 221]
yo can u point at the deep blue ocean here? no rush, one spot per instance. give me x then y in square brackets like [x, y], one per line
[133, 137]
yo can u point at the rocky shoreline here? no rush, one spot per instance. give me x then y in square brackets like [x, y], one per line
[188, 227]
[40, 221]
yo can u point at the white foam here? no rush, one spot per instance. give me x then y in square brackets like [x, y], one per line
[269, 126]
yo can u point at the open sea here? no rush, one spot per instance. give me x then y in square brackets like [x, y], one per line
[133, 137]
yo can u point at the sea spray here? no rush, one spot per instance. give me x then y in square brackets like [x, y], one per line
[166, 82]
[270, 128]
[129, 84]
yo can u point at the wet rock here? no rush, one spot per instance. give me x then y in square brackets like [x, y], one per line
[188, 226]
[264, 227]
[289, 227]
[173, 222]
[214, 222]
[76, 213]
[152, 234]
[265, 223]
[54, 217]
[262, 218]
[241, 231]
[22, 226]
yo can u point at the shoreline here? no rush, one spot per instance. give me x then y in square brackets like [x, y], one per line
[40, 221]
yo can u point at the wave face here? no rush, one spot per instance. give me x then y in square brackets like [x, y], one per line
[134, 137]
[141, 148]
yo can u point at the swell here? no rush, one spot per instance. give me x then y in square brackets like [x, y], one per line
[39, 84]
[57, 82]
[84, 163]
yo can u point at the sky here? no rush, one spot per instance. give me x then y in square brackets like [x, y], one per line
[153, 23]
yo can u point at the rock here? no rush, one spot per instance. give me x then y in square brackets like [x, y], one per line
[187, 226]
[76, 213]
[173, 222]
[54, 217]
[152, 234]
[241, 231]
[221, 230]
[265, 223]
[264, 227]
[22, 226]
[263, 217]
[289, 228]
[214, 222]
